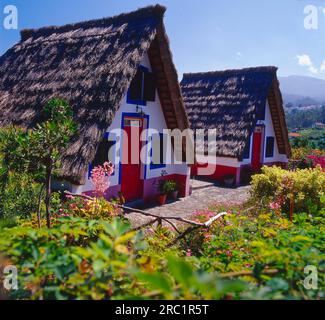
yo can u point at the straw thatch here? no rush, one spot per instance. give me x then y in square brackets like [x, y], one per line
[90, 65]
[229, 102]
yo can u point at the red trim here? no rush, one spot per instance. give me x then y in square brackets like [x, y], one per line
[219, 171]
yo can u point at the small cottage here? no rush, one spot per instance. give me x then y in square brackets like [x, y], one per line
[244, 109]
[118, 75]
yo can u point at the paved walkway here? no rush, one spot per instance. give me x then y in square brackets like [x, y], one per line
[205, 194]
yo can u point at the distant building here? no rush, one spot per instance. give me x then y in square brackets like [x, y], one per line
[245, 108]
[294, 135]
[319, 125]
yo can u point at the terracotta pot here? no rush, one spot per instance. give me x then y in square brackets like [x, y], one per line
[174, 195]
[162, 199]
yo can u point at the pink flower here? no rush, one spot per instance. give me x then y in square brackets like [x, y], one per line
[275, 206]
[189, 253]
[99, 177]
[317, 160]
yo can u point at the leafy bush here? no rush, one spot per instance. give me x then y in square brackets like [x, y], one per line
[18, 195]
[303, 158]
[275, 187]
[79, 259]
[95, 208]
[243, 244]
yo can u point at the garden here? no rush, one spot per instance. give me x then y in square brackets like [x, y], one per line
[70, 247]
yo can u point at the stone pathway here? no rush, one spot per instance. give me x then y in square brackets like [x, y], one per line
[204, 195]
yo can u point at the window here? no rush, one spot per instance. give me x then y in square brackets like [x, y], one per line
[142, 88]
[261, 112]
[247, 149]
[158, 151]
[103, 154]
[269, 151]
[132, 123]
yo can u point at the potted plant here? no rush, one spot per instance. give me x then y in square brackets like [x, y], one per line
[162, 196]
[171, 188]
[229, 180]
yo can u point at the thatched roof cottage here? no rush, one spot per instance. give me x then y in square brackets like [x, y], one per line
[245, 109]
[116, 73]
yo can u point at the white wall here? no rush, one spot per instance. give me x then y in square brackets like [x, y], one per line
[222, 161]
[156, 121]
[269, 132]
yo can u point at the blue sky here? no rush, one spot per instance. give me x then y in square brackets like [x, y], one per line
[204, 34]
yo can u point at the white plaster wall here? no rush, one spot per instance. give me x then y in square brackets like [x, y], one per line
[222, 161]
[156, 122]
[269, 132]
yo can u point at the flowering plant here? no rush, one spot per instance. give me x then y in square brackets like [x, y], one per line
[99, 178]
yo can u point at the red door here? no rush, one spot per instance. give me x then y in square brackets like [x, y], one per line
[257, 148]
[131, 183]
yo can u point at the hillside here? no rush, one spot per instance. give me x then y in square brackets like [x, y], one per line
[302, 90]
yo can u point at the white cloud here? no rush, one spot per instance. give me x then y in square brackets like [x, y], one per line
[322, 67]
[239, 55]
[304, 60]
[312, 69]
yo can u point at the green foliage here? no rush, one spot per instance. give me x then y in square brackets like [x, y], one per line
[93, 259]
[19, 197]
[263, 243]
[91, 208]
[305, 118]
[306, 186]
[79, 259]
[169, 186]
[35, 154]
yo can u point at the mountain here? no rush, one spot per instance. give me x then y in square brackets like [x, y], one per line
[301, 90]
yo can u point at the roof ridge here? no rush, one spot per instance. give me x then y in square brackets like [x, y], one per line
[231, 71]
[149, 11]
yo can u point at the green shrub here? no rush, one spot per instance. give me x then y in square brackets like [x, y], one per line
[18, 196]
[277, 186]
[80, 259]
[257, 244]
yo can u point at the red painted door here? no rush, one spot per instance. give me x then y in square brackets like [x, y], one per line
[131, 183]
[257, 148]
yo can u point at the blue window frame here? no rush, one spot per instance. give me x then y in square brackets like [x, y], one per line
[247, 150]
[137, 86]
[261, 112]
[162, 153]
[142, 88]
[269, 150]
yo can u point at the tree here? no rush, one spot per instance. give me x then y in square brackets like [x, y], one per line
[38, 150]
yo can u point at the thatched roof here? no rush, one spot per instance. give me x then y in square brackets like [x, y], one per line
[89, 64]
[229, 102]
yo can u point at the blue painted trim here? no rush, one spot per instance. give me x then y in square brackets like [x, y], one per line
[138, 102]
[269, 138]
[154, 166]
[131, 115]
